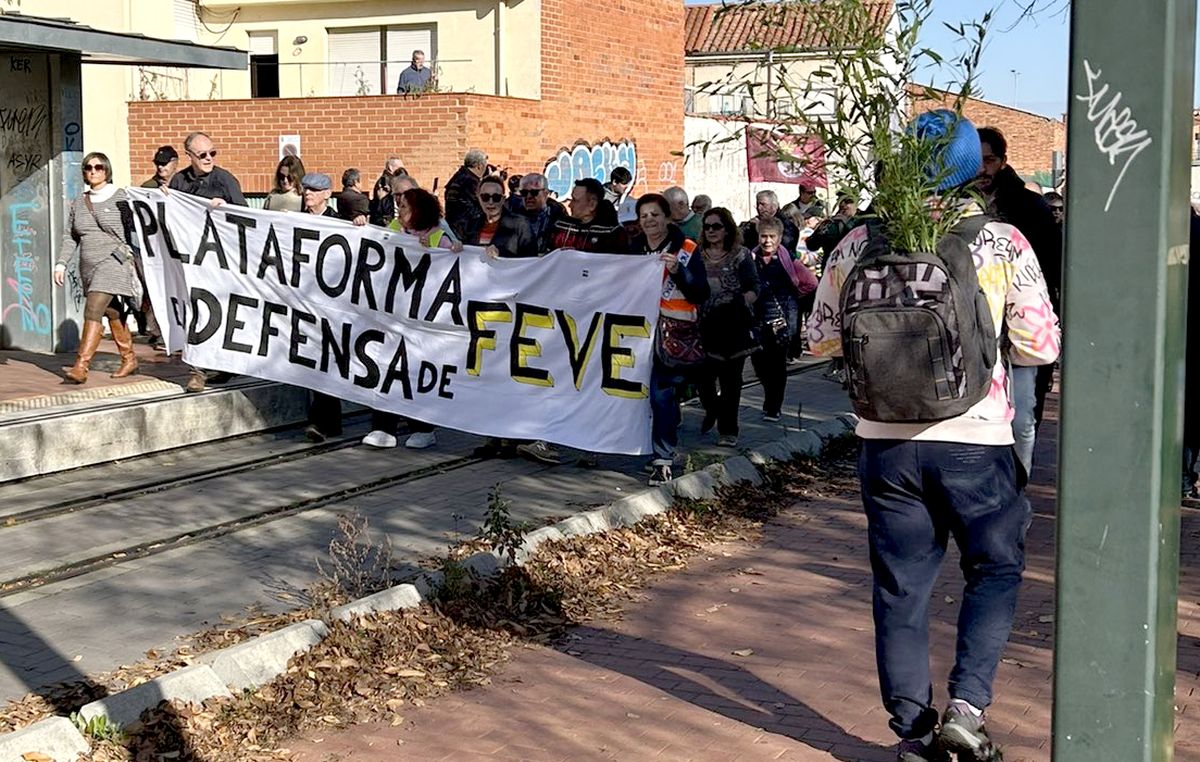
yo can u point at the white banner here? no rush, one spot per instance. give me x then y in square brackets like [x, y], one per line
[557, 348]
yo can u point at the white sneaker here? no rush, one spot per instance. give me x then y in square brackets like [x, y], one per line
[380, 439]
[421, 440]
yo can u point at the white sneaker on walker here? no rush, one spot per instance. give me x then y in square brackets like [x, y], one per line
[380, 439]
[421, 440]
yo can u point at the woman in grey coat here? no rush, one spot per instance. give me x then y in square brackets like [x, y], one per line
[98, 221]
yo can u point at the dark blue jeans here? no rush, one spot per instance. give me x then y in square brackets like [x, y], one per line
[666, 383]
[917, 495]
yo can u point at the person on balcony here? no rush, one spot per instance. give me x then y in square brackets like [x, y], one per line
[415, 78]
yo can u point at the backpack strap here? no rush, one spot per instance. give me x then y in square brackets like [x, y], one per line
[969, 228]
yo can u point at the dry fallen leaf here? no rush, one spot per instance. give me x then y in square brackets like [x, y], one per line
[33, 756]
[743, 652]
[410, 673]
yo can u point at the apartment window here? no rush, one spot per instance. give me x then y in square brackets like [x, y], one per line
[368, 61]
[264, 65]
[725, 103]
[187, 25]
[401, 42]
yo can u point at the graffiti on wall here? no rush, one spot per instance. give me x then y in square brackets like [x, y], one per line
[34, 315]
[586, 160]
[72, 158]
[26, 292]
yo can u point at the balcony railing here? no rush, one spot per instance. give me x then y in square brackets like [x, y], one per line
[308, 79]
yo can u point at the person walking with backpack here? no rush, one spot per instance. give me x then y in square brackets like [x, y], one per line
[930, 387]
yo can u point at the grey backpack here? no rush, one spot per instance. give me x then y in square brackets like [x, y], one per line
[917, 333]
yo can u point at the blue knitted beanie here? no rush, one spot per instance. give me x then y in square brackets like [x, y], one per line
[959, 158]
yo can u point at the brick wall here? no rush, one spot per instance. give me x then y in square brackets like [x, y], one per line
[1032, 138]
[609, 71]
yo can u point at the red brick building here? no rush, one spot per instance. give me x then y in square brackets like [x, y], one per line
[1032, 138]
[610, 72]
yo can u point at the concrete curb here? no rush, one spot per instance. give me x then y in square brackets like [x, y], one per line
[265, 657]
[55, 737]
[398, 597]
[261, 659]
[190, 685]
[44, 442]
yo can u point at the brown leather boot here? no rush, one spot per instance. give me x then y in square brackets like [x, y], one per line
[124, 341]
[92, 332]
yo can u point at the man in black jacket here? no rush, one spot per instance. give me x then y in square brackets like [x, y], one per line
[383, 207]
[1010, 201]
[586, 229]
[352, 204]
[766, 203]
[205, 179]
[541, 210]
[462, 194]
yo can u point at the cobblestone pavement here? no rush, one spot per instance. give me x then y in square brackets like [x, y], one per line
[112, 616]
[663, 683]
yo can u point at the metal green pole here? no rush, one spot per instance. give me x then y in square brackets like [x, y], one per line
[1128, 178]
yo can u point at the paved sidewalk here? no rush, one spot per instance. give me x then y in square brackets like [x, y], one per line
[111, 616]
[29, 374]
[663, 682]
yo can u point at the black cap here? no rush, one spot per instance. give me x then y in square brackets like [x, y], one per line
[165, 155]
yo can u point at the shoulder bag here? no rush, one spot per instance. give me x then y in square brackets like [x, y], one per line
[124, 255]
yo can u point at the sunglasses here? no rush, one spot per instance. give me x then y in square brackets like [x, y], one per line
[491, 198]
[205, 155]
[93, 167]
[713, 226]
[531, 192]
[1057, 208]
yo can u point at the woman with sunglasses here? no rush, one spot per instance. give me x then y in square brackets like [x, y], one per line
[504, 233]
[99, 222]
[727, 324]
[286, 196]
[678, 353]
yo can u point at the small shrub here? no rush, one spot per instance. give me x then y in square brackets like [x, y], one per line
[99, 728]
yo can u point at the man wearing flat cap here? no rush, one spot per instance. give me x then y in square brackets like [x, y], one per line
[317, 188]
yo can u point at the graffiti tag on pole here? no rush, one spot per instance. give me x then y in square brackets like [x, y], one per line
[1117, 132]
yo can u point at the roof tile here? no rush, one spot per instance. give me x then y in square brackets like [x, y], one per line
[736, 28]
